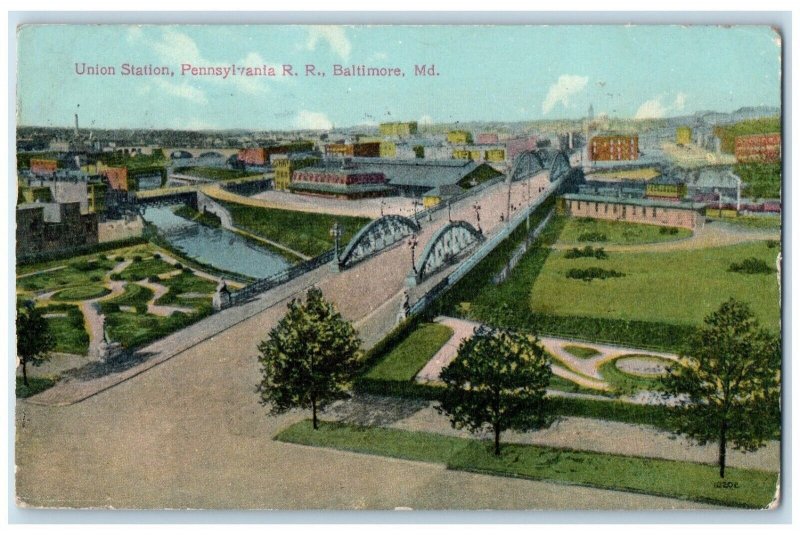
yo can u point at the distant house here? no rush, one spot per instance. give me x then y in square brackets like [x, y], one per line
[758, 148]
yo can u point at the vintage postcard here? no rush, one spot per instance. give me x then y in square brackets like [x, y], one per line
[288, 267]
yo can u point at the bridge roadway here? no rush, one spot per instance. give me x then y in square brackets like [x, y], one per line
[190, 432]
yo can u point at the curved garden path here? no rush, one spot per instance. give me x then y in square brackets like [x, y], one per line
[710, 235]
[582, 371]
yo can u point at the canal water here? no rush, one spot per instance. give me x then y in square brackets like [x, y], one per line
[216, 247]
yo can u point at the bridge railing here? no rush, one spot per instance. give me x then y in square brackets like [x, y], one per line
[262, 285]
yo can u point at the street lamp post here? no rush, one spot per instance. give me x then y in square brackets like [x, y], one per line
[477, 208]
[383, 203]
[336, 233]
[415, 204]
[449, 217]
[412, 244]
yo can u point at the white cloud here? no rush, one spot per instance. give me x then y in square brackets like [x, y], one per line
[652, 109]
[566, 86]
[177, 47]
[656, 109]
[183, 90]
[312, 120]
[335, 36]
[680, 101]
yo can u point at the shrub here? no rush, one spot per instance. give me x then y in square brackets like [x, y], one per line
[116, 277]
[178, 266]
[95, 278]
[137, 258]
[187, 270]
[668, 230]
[592, 236]
[773, 244]
[592, 273]
[157, 256]
[154, 278]
[751, 266]
[119, 259]
[586, 252]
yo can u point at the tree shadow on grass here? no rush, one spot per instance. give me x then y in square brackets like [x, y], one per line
[368, 410]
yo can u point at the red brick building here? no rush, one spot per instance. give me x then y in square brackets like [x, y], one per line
[117, 177]
[254, 156]
[614, 148]
[341, 183]
[760, 148]
[646, 211]
[43, 167]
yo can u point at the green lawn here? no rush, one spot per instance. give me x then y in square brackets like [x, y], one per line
[135, 329]
[680, 287]
[35, 385]
[133, 296]
[676, 479]
[68, 331]
[77, 272]
[186, 283]
[410, 355]
[307, 233]
[145, 268]
[581, 352]
[215, 173]
[762, 180]
[577, 230]
[771, 222]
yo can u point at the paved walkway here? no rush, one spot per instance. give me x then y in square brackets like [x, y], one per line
[708, 236]
[306, 203]
[49, 270]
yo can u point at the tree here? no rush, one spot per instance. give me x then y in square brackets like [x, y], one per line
[728, 388]
[309, 357]
[34, 339]
[498, 379]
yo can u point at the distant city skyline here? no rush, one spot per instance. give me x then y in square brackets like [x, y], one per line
[481, 74]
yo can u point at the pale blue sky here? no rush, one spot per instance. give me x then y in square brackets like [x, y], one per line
[502, 73]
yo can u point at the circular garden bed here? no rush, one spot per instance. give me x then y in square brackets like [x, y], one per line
[82, 293]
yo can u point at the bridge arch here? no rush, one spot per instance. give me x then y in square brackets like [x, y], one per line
[559, 166]
[527, 164]
[445, 247]
[376, 236]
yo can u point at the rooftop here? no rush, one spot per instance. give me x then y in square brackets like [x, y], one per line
[634, 201]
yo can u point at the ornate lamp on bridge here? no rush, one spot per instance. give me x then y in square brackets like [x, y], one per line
[415, 204]
[412, 243]
[477, 208]
[336, 233]
[383, 203]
